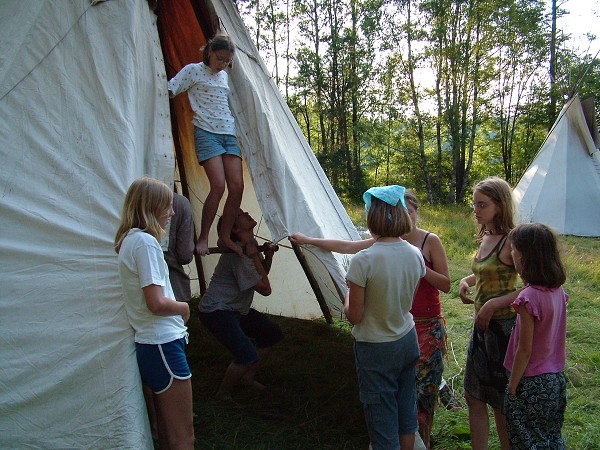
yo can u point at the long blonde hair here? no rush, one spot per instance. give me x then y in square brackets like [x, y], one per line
[500, 192]
[146, 201]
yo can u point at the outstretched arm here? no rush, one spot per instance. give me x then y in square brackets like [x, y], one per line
[332, 245]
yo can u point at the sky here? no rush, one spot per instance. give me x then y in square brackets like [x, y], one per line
[583, 17]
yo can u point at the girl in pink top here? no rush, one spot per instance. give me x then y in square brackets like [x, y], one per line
[535, 400]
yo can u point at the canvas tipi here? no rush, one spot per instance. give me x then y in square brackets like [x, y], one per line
[85, 111]
[561, 187]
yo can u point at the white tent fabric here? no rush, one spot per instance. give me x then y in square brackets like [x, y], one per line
[561, 187]
[84, 112]
[81, 118]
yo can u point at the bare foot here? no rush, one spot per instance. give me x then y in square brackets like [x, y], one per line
[226, 398]
[202, 247]
[253, 384]
[228, 243]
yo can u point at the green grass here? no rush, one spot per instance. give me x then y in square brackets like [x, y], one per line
[312, 397]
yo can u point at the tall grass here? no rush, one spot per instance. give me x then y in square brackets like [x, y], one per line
[311, 400]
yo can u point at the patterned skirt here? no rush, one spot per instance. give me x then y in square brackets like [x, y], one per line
[535, 415]
[431, 333]
[485, 375]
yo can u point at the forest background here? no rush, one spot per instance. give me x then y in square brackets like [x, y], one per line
[431, 94]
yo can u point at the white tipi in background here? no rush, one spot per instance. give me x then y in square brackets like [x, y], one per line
[561, 187]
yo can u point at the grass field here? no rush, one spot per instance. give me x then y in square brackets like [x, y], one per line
[312, 397]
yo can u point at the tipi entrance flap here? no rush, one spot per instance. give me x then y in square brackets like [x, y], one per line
[285, 187]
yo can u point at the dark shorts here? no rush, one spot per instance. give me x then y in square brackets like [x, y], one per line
[159, 364]
[485, 375]
[238, 331]
[208, 145]
[535, 415]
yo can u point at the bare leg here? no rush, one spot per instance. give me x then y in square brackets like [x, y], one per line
[407, 441]
[216, 176]
[501, 428]
[163, 431]
[233, 377]
[479, 423]
[175, 415]
[238, 374]
[149, 397]
[248, 378]
[235, 188]
[425, 431]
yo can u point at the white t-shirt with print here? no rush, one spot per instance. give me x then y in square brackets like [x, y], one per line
[209, 97]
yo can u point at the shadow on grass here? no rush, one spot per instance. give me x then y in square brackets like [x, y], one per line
[311, 399]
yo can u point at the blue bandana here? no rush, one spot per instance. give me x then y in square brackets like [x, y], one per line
[389, 194]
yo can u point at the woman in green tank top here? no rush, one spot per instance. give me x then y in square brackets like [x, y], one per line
[493, 278]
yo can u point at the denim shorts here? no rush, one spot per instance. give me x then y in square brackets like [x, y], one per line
[159, 364]
[386, 381]
[208, 145]
[238, 331]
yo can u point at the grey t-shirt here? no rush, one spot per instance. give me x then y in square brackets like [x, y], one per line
[231, 287]
[389, 272]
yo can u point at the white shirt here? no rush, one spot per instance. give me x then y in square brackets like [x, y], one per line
[141, 264]
[390, 273]
[209, 97]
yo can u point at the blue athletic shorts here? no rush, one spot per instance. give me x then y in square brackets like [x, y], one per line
[159, 364]
[208, 145]
[237, 331]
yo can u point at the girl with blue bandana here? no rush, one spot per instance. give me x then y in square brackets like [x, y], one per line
[426, 307]
[382, 280]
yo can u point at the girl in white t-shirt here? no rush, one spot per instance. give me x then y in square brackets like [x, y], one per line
[157, 319]
[206, 84]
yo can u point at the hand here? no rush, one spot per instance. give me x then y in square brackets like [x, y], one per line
[464, 290]
[298, 238]
[270, 248]
[483, 317]
[186, 312]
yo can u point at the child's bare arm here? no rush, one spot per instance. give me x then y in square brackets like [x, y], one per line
[158, 304]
